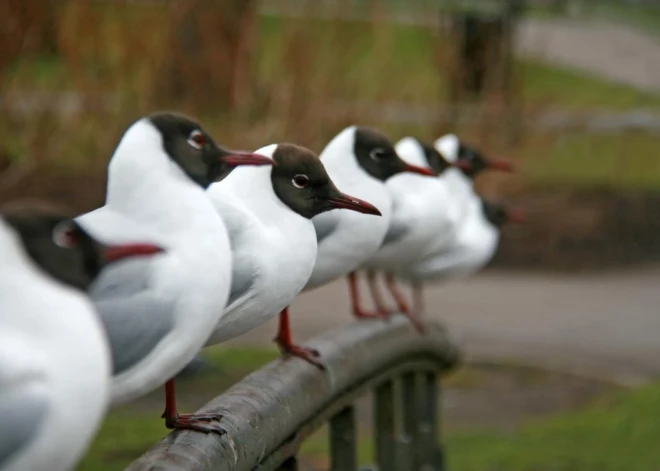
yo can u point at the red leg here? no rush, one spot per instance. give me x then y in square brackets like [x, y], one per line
[206, 423]
[358, 310]
[382, 308]
[287, 347]
[418, 298]
[401, 302]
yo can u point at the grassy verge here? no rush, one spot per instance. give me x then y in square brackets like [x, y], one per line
[620, 161]
[616, 434]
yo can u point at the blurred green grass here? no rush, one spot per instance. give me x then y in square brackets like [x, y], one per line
[626, 161]
[612, 435]
[617, 432]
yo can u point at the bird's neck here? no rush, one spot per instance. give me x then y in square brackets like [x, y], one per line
[252, 188]
[166, 200]
[345, 171]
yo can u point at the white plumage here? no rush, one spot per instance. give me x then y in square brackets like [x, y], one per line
[54, 366]
[179, 295]
[354, 237]
[274, 248]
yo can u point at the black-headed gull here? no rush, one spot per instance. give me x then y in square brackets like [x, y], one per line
[422, 218]
[359, 160]
[268, 214]
[54, 357]
[460, 201]
[474, 245]
[471, 163]
[461, 197]
[159, 313]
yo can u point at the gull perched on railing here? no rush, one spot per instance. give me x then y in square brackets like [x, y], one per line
[268, 214]
[359, 160]
[423, 216]
[438, 227]
[159, 313]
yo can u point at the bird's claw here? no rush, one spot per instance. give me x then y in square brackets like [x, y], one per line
[416, 322]
[310, 355]
[205, 423]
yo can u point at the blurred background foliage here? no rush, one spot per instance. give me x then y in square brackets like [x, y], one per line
[76, 73]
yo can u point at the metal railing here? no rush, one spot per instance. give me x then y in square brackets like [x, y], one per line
[272, 411]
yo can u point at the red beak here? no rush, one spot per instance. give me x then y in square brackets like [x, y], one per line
[114, 253]
[237, 158]
[499, 164]
[516, 215]
[420, 170]
[354, 204]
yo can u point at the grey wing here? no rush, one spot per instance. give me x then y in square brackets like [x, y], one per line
[134, 325]
[395, 232]
[242, 273]
[135, 318]
[450, 261]
[242, 280]
[324, 224]
[401, 220]
[22, 414]
[23, 397]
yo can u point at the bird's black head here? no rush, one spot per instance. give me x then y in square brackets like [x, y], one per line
[301, 182]
[472, 161]
[195, 151]
[377, 156]
[497, 214]
[436, 160]
[61, 248]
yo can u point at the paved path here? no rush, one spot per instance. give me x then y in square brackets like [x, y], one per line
[607, 326]
[617, 52]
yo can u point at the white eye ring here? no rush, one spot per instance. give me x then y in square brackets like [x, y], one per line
[300, 180]
[197, 139]
[64, 235]
[377, 153]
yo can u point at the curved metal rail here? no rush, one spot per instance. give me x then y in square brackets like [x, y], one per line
[272, 411]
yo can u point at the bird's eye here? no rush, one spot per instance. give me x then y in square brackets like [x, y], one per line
[300, 181]
[197, 139]
[378, 153]
[65, 235]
